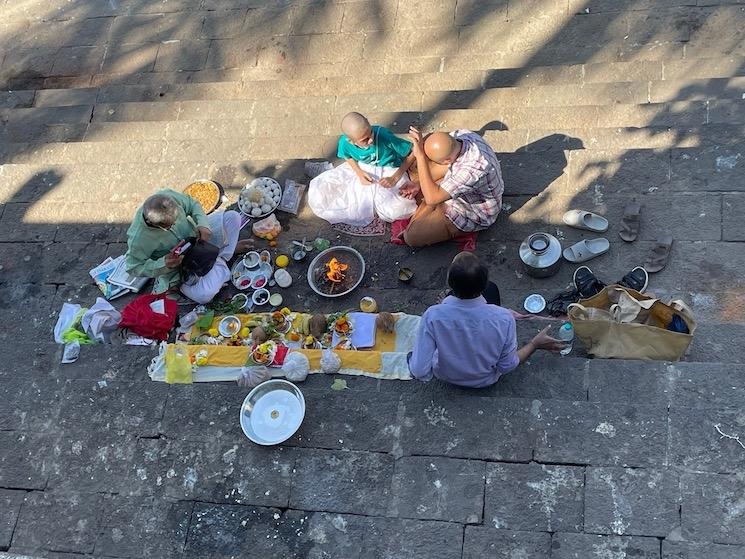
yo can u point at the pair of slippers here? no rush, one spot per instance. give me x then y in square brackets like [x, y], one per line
[630, 225]
[586, 249]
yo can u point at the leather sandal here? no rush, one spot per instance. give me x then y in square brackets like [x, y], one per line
[630, 222]
[660, 254]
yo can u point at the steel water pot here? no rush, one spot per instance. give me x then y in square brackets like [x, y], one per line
[540, 254]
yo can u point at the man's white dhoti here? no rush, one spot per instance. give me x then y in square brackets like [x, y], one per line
[338, 196]
[225, 227]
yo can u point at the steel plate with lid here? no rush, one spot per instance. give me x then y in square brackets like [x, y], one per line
[272, 412]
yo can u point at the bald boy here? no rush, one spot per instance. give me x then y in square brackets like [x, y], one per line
[375, 145]
[460, 186]
[367, 184]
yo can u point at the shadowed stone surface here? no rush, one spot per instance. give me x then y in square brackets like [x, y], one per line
[585, 433]
[438, 489]
[588, 546]
[481, 542]
[534, 497]
[73, 522]
[10, 505]
[133, 527]
[713, 508]
[341, 481]
[454, 426]
[631, 501]
[217, 471]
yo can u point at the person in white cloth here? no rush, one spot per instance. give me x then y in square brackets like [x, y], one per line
[368, 182]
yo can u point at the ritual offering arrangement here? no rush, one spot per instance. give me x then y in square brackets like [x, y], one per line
[260, 197]
[336, 271]
[229, 344]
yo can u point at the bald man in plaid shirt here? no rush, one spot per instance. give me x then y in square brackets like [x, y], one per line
[460, 187]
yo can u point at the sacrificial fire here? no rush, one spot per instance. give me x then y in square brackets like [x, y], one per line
[335, 270]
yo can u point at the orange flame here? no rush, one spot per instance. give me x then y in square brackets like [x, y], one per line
[336, 270]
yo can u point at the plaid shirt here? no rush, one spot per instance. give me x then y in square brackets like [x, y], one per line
[474, 182]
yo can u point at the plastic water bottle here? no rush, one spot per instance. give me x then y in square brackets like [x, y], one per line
[566, 334]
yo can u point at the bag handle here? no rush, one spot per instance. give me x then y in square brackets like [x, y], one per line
[680, 306]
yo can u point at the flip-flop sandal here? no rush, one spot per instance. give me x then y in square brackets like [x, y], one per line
[586, 220]
[660, 254]
[630, 222]
[586, 250]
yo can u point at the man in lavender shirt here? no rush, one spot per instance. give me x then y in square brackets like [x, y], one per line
[466, 340]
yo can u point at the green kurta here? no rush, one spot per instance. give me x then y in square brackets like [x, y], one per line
[147, 246]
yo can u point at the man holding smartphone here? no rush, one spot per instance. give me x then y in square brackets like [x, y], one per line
[156, 242]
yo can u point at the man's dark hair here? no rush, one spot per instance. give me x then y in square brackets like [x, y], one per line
[467, 276]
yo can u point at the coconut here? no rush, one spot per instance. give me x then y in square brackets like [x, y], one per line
[318, 325]
[258, 335]
[283, 277]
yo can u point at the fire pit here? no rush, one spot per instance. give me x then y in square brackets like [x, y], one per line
[336, 271]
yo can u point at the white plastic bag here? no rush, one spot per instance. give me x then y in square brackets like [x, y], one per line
[65, 319]
[296, 367]
[330, 362]
[267, 228]
[100, 321]
[251, 377]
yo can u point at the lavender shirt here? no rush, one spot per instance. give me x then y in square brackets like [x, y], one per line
[465, 341]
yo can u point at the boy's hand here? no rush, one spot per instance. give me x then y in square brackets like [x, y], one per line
[416, 138]
[409, 190]
[204, 233]
[365, 178]
[173, 261]
[389, 182]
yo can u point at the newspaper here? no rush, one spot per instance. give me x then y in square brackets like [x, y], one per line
[107, 270]
[120, 277]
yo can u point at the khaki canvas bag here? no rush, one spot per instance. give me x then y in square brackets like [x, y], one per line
[596, 324]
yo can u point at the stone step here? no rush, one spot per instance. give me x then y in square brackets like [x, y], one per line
[421, 93]
[320, 115]
[572, 161]
[540, 412]
[538, 139]
[457, 71]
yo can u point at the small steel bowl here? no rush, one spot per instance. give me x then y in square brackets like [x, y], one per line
[534, 303]
[260, 297]
[405, 274]
[251, 259]
[272, 412]
[229, 326]
[259, 281]
[240, 299]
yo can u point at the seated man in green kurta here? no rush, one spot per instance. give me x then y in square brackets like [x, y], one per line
[165, 220]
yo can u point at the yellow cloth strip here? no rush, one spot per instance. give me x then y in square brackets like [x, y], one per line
[368, 361]
[236, 356]
[220, 355]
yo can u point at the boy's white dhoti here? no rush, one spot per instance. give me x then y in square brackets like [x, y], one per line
[338, 196]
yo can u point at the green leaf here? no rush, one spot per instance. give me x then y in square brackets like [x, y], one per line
[339, 384]
[205, 321]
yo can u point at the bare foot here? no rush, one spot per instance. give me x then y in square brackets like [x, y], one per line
[243, 246]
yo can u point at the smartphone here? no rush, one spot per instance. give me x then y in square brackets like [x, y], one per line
[179, 250]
